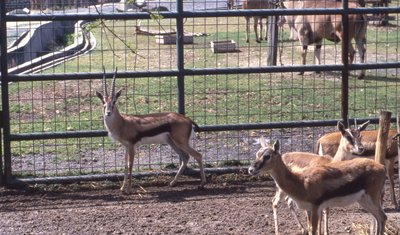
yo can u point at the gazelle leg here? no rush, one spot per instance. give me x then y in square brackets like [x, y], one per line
[291, 206]
[373, 206]
[314, 221]
[390, 175]
[185, 147]
[184, 158]
[129, 156]
[199, 160]
[325, 217]
[275, 202]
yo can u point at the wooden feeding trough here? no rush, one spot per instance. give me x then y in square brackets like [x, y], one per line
[223, 46]
[171, 39]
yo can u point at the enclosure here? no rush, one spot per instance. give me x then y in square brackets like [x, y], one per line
[51, 66]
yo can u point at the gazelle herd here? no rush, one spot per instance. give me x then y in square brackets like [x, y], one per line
[341, 171]
[341, 174]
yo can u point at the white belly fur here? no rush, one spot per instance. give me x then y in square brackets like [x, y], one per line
[157, 139]
[343, 201]
[333, 202]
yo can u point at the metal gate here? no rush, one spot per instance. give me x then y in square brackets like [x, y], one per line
[51, 119]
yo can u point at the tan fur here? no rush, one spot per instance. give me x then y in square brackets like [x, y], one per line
[310, 186]
[297, 161]
[314, 28]
[330, 142]
[156, 128]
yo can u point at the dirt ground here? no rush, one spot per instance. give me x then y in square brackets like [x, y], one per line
[230, 204]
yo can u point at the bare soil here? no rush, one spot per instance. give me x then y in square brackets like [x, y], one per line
[230, 204]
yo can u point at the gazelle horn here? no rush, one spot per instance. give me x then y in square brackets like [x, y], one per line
[104, 82]
[113, 83]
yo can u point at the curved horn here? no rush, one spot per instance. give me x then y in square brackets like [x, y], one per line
[112, 92]
[104, 82]
[355, 124]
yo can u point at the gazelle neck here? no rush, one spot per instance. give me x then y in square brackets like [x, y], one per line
[114, 121]
[288, 181]
[343, 152]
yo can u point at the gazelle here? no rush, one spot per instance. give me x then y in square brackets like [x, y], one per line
[297, 161]
[156, 128]
[329, 185]
[254, 4]
[329, 143]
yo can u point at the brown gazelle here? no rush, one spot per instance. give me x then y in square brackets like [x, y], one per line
[329, 143]
[335, 184]
[156, 128]
[297, 161]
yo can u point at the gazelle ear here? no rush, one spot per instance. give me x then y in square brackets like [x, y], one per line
[341, 127]
[277, 146]
[363, 126]
[100, 96]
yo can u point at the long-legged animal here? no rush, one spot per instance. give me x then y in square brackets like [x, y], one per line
[314, 28]
[156, 128]
[329, 143]
[255, 4]
[336, 184]
[296, 161]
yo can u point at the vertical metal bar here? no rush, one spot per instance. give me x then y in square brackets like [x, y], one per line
[345, 60]
[180, 57]
[272, 37]
[398, 143]
[4, 94]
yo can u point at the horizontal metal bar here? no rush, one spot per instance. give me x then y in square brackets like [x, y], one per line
[278, 125]
[88, 76]
[119, 177]
[203, 128]
[199, 71]
[57, 135]
[197, 14]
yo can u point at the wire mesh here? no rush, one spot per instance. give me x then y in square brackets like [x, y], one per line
[149, 45]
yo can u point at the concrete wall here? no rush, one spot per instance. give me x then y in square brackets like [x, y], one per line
[37, 41]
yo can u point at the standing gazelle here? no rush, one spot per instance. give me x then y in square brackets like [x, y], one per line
[329, 143]
[329, 185]
[349, 143]
[156, 128]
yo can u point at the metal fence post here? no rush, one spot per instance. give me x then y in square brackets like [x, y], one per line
[5, 117]
[272, 37]
[345, 60]
[180, 57]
